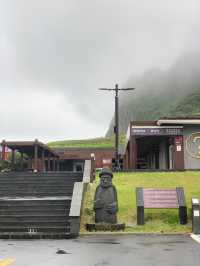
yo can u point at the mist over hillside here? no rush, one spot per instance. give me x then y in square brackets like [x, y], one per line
[175, 91]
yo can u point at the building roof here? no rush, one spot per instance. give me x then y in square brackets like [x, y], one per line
[189, 120]
[27, 147]
[181, 117]
[143, 123]
[179, 121]
[81, 153]
[83, 149]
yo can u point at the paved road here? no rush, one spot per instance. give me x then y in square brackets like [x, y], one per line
[131, 250]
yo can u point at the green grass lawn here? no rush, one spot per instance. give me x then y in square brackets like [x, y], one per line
[87, 143]
[156, 221]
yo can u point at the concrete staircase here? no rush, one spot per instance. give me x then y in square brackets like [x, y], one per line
[36, 205]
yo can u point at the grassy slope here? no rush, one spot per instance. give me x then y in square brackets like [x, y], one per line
[86, 143]
[188, 106]
[151, 107]
[162, 220]
[97, 142]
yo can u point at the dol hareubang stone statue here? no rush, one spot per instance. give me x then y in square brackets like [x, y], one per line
[105, 205]
[105, 200]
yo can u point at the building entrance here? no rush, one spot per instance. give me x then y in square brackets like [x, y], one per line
[155, 147]
[154, 152]
[74, 165]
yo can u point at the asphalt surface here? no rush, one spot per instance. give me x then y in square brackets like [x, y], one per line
[139, 250]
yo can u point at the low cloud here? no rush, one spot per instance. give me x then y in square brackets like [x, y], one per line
[54, 55]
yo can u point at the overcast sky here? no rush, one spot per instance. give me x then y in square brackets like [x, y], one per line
[54, 54]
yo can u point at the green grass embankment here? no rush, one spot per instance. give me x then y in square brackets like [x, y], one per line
[87, 143]
[156, 221]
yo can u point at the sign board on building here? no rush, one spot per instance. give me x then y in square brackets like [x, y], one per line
[107, 161]
[178, 140]
[193, 145]
[178, 148]
[196, 213]
[156, 131]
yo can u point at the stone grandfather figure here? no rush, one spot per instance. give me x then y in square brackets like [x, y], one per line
[105, 200]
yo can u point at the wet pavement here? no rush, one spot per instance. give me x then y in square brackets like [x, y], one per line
[139, 250]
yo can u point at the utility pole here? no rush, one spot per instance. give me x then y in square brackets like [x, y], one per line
[116, 126]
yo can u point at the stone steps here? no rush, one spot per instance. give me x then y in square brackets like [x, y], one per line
[36, 205]
[38, 192]
[41, 228]
[37, 212]
[51, 234]
[32, 202]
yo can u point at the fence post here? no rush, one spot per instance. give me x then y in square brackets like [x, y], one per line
[182, 205]
[140, 206]
[195, 216]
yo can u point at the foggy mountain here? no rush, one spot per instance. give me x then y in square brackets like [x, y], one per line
[173, 92]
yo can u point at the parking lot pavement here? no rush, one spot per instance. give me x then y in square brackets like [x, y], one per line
[115, 250]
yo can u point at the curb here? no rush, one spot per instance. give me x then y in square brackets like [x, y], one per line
[195, 237]
[132, 234]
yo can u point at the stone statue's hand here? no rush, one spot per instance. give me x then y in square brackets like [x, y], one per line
[98, 204]
[111, 208]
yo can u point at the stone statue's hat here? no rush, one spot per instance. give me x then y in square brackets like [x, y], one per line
[106, 171]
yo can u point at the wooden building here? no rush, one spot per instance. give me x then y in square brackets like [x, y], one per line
[165, 144]
[73, 158]
[34, 155]
[5, 154]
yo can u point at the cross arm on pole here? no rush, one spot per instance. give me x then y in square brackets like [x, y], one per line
[127, 89]
[105, 89]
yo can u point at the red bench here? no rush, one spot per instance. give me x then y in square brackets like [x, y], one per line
[153, 198]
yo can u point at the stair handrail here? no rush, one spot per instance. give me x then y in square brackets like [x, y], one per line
[77, 200]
